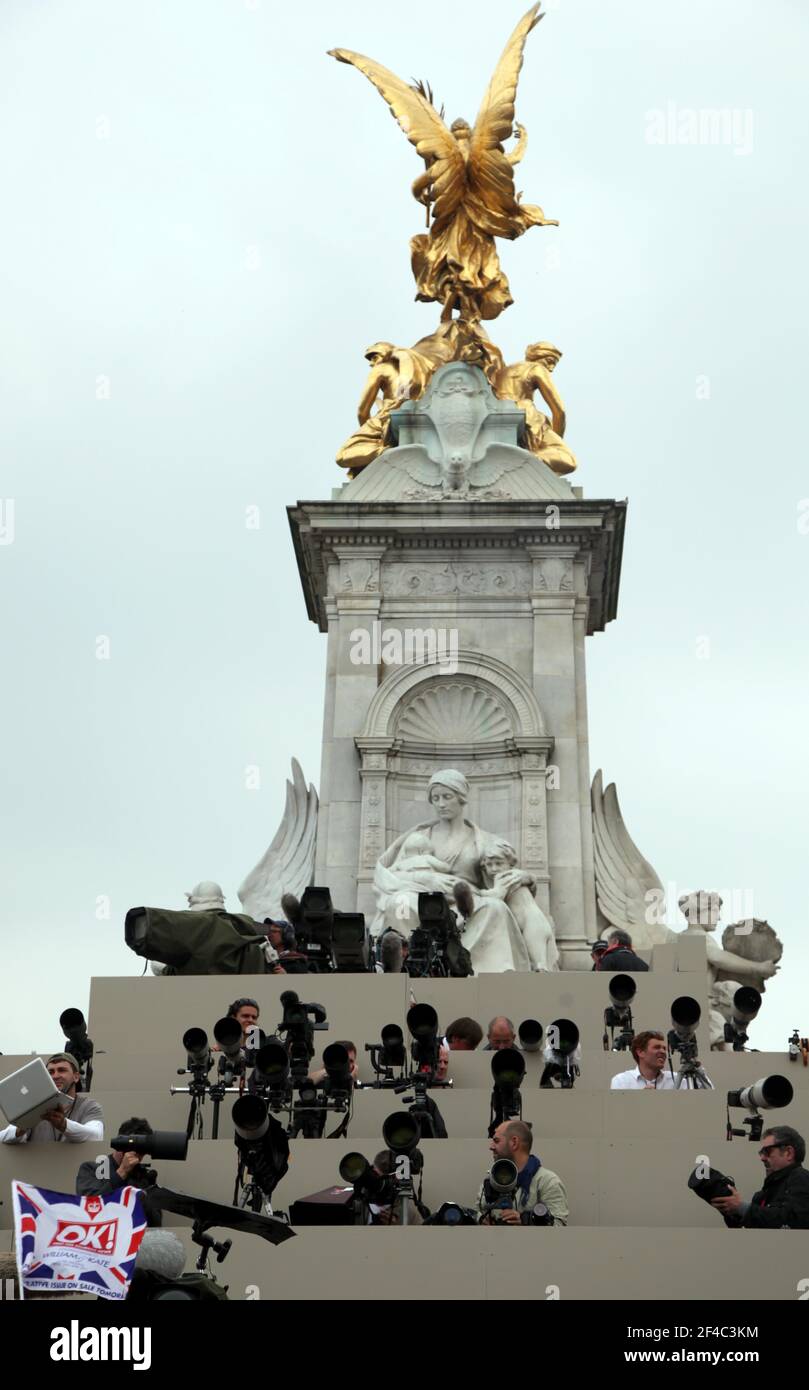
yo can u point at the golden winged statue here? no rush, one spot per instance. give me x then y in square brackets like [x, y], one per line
[468, 184]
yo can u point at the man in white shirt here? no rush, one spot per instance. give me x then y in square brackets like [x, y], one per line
[651, 1073]
[83, 1119]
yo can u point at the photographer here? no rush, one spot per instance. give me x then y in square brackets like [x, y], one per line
[83, 1119]
[101, 1177]
[391, 1215]
[464, 1035]
[619, 954]
[783, 1201]
[597, 949]
[651, 1073]
[502, 1033]
[513, 1139]
[319, 1075]
[291, 960]
[245, 1012]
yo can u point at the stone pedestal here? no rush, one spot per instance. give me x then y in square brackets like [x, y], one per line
[506, 588]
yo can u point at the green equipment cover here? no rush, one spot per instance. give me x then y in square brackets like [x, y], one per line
[197, 943]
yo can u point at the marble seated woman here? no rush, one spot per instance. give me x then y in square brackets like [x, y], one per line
[433, 857]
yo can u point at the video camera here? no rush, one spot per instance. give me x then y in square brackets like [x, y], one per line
[199, 943]
[281, 1075]
[435, 947]
[331, 940]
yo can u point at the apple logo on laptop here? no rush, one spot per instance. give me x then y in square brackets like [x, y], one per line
[24, 1090]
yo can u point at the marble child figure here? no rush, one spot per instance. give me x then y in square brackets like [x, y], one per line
[502, 876]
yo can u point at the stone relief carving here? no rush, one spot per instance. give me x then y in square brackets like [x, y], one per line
[458, 438]
[454, 712]
[449, 578]
[359, 576]
[554, 574]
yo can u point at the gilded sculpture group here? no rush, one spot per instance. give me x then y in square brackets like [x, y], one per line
[469, 195]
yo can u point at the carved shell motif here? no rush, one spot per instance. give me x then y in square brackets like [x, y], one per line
[454, 713]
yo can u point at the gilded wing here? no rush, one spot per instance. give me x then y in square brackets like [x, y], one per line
[490, 173]
[423, 127]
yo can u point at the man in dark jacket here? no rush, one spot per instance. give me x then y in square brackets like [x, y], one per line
[619, 954]
[104, 1176]
[784, 1198]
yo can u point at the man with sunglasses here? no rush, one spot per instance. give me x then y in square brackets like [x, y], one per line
[784, 1198]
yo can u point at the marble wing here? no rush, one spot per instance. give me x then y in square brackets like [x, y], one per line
[414, 460]
[499, 459]
[623, 876]
[288, 864]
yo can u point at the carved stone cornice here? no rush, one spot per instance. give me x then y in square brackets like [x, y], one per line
[587, 538]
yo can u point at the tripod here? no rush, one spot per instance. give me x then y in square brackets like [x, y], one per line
[691, 1074]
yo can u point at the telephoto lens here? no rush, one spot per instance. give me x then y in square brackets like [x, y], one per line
[422, 1023]
[198, 1053]
[529, 1035]
[401, 1132]
[685, 1016]
[228, 1033]
[393, 1049]
[770, 1093]
[503, 1175]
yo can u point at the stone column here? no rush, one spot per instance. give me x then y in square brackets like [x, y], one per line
[557, 676]
[352, 609]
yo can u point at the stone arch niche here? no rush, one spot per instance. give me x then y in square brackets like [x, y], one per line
[482, 719]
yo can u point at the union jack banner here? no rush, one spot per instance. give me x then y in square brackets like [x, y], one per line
[68, 1244]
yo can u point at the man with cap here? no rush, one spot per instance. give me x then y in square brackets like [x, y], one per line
[75, 1123]
[597, 949]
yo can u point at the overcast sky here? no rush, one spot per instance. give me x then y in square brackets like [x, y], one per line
[205, 223]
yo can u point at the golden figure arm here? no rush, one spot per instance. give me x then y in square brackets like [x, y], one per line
[375, 379]
[424, 128]
[550, 395]
[514, 156]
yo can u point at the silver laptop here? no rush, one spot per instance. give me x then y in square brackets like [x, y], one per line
[26, 1094]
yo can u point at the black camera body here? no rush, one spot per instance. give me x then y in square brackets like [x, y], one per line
[298, 1025]
[435, 947]
[713, 1184]
[161, 1143]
